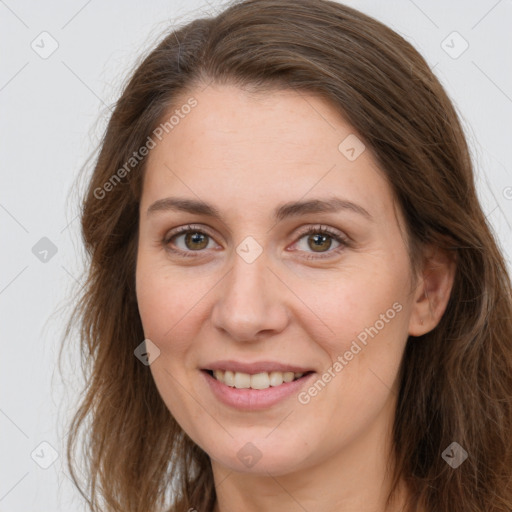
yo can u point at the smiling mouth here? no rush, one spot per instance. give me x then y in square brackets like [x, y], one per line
[262, 380]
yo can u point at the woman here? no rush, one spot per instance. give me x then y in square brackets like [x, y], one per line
[294, 299]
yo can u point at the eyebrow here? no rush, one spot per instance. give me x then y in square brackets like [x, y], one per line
[286, 210]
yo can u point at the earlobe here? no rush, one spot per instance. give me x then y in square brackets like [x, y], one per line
[433, 291]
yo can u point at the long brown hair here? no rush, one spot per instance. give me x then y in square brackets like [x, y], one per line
[456, 381]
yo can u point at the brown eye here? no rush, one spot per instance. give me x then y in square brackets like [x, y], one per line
[196, 240]
[186, 240]
[318, 239]
[318, 242]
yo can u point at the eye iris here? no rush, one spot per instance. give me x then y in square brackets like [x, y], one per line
[318, 239]
[196, 238]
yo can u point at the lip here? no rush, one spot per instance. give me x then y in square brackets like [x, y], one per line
[254, 399]
[255, 367]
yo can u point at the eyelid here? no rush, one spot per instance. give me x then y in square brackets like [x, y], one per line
[185, 229]
[316, 228]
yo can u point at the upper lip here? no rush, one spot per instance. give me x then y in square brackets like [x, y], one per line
[255, 367]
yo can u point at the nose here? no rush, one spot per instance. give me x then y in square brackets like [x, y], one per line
[251, 301]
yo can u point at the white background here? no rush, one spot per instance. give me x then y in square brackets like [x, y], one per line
[53, 112]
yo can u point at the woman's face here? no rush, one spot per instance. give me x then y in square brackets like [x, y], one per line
[249, 290]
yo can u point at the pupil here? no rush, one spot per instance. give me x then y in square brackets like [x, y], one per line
[196, 238]
[318, 240]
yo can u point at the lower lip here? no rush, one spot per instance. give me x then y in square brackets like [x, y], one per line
[254, 399]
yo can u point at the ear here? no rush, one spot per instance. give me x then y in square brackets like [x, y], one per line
[433, 291]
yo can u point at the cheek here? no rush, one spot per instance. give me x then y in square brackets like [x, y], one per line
[366, 314]
[171, 304]
[163, 298]
[166, 307]
[155, 301]
[355, 299]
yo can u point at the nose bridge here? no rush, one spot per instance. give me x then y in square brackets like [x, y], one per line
[249, 300]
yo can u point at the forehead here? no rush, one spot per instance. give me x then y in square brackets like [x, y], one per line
[261, 148]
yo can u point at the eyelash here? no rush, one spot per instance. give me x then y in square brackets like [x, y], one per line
[323, 230]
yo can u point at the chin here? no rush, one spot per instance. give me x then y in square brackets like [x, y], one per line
[260, 456]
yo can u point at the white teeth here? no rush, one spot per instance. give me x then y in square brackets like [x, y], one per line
[242, 380]
[288, 376]
[229, 378]
[276, 378]
[261, 380]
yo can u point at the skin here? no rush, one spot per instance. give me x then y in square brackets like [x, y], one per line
[247, 153]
